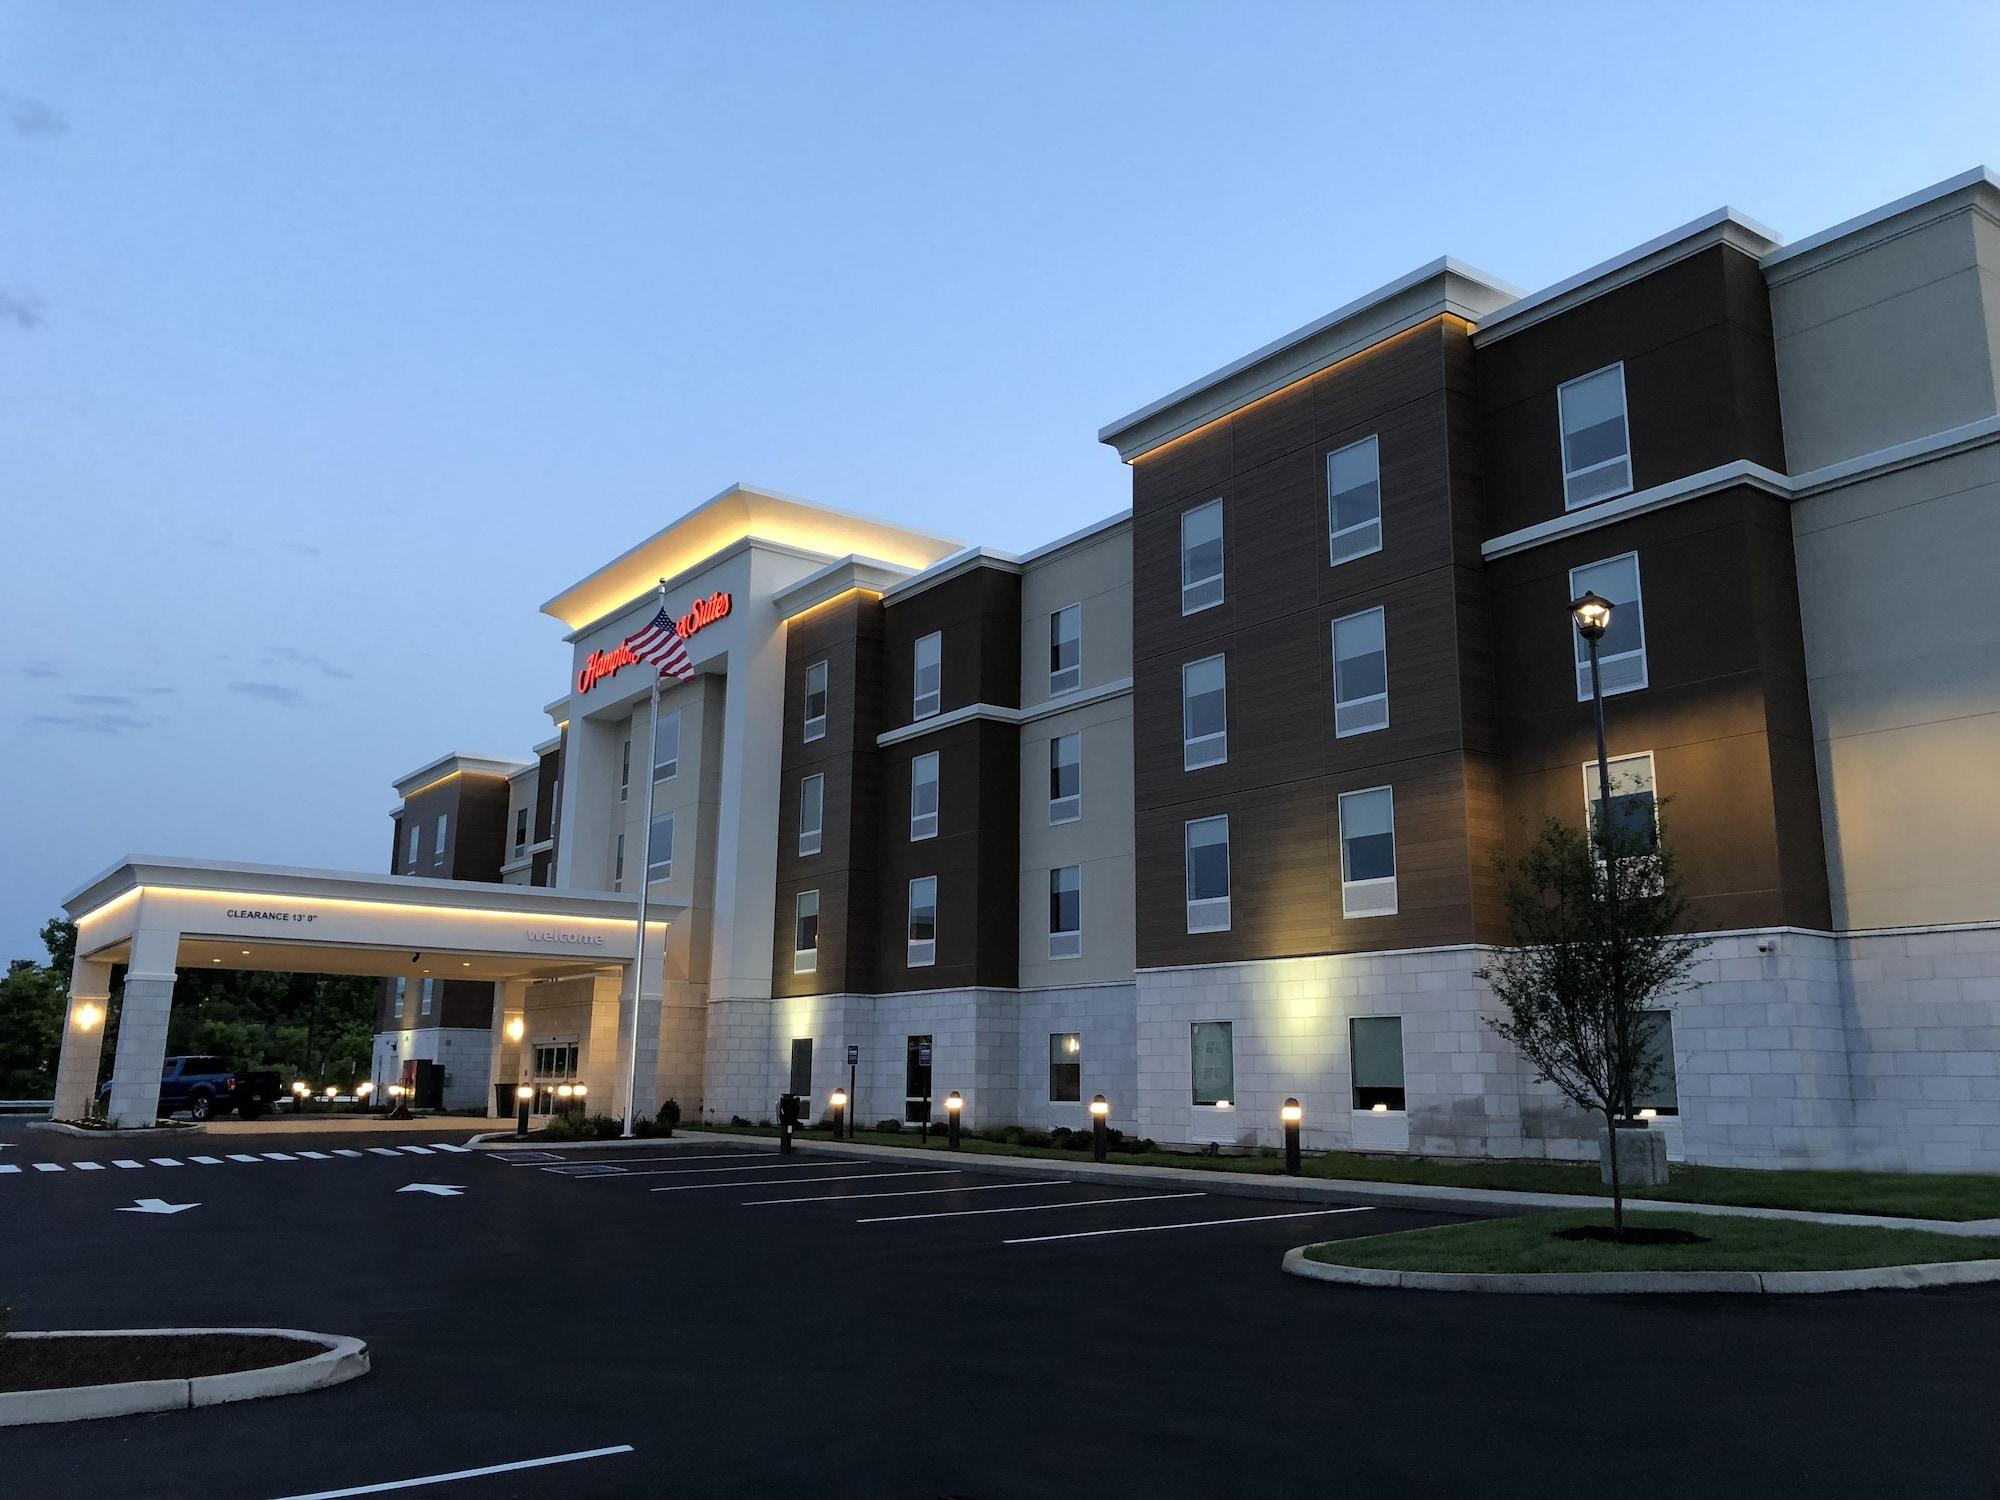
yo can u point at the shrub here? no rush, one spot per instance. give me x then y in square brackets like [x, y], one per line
[583, 1128]
[670, 1113]
[644, 1127]
[889, 1127]
[738, 1121]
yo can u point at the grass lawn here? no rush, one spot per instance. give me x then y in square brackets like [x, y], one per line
[1959, 1196]
[1527, 1243]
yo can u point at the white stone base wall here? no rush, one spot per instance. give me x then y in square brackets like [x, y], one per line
[466, 1053]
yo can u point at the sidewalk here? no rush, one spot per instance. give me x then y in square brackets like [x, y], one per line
[290, 1124]
[1325, 1189]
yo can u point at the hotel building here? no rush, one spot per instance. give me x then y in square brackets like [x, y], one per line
[1206, 805]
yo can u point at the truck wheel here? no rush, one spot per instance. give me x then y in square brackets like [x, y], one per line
[199, 1106]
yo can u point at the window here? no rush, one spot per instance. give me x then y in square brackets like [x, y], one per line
[1201, 557]
[926, 691]
[1066, 912]
[1375, 1057]
[618, 865]
[1212, 1062]
[1368, 853]
[1066, 1068]
[1596, 448]
[437, 854]
[660, 849]
[916, 1079]
[402, 997]
[924, 796]
[1354, 501]
[555, 803]
[1204, 714]
[802, 1067]
[1656, 1038]
[625, 768]
[1208, 875]
[1066, 649]
[805, 933]
[424, 996]
[923, 921]
[1621, 654]
[1635, 810]
[667, 748]
[1066, 778]
[520, 829]
[416, 842]
[812, 809]
[816, 701]
[1360, 674]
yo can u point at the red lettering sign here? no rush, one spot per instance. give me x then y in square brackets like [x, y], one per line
[603, 664]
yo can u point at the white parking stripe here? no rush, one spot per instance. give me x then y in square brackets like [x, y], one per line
[417, 1150]
[50, 1166]
[1029, 1208]
[410, 1484]
[315, 1156]
[382, 1151]
[233, 1156]
[1086, 1234]
[991, 1187]
[546, 1158]
[127, 1163]
[276, 1156]
[776, 1166]
[86, 1166]
[5, 1169]
[695, 1187]
[163, 1161]
[447, 1146]
[206, 1161]
[344, 1151]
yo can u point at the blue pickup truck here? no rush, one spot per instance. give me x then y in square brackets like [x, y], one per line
[205, 1086]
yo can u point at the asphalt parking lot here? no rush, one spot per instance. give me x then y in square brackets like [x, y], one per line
[712, 1320]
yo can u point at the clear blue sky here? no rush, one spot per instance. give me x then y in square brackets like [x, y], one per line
[335, 337]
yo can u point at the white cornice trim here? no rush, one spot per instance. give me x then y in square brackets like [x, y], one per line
[955, 566]
[1863, 466]
[456, 764]
[1723, 226]
[1934, 198]
[688, 575]
[998, 713]
[833, 580]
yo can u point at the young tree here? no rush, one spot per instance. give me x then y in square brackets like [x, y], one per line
[1598, 943]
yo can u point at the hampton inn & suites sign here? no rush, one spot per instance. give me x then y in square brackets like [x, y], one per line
[603, 664]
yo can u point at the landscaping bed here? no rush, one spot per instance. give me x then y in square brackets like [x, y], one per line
[41, 1364]
[1545, 1243]
[1956, 1197]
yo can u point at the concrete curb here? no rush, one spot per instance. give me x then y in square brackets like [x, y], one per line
[341, 1358]
[1324, 1189]
[1625, 1283]
[503, 1140]
[147, 1132]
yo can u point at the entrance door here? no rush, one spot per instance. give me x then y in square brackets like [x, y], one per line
[554, 1064]
[802, 1076]
[916, 1079]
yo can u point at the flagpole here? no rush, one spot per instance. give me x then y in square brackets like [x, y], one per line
[645, 884]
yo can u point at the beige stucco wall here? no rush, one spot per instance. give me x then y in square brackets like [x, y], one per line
[1096, 573]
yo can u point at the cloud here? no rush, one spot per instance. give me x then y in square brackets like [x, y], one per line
[298, 658]
[39, 669]
[270, 692]
[23, 309]
[94, 722]
[159, 692]
[30, 117]
[103, 700]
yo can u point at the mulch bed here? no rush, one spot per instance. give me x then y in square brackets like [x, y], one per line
[50, 1364]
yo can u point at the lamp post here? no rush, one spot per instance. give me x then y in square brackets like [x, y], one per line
[576, 1097]
[952, 1105]
[565, 1092]
[839, 1102]
[1100, 1111]
[1592, 617]
[299, 1092]
[1291, 1114]
[522, 1095]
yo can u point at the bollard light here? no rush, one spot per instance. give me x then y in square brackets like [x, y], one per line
[363, 1089]
[522, 1095]
[299, 1092]
[1100, 1111]
[953, 1104]
[582, 1089]
[87, 1016]
[839, 1103]
[1292, 1115]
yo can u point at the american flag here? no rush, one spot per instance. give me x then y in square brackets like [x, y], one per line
[660, 644]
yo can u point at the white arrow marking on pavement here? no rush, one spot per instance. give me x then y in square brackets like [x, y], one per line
[157, 1206]
[437, 1188]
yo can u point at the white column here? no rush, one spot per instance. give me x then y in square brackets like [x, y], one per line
[746, 851]
[82, 1038]
[142, 1028]
[603, 1062]
[510, 1003]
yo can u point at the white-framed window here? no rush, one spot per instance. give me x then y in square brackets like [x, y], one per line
[1066, 649]
[805, 933]
[667, 748]
[924, 796]
[1066, 778]
[1066, 912]
[437, 854]
[1201, 557]
[1212, 1062]
[416, 841]
[1353, 501]
[923, 921]
[1596, 445]
[1656, 1037]
[520, 829]
[1360, 673]
[1635, 804]
[425, 996]
[1065, 1067]
[402, 996]
[1375, 1061]
[660, 848]
[816, 702]
[927, 684]
[1621, 654]
[618, 865]
[1204, 713]
[1368, 853]
[1206, 843]
[625, 768]
[812, 812]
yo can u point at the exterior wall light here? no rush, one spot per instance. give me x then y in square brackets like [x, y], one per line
[1592, 614]
[516, 1029]
[87, 1016]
